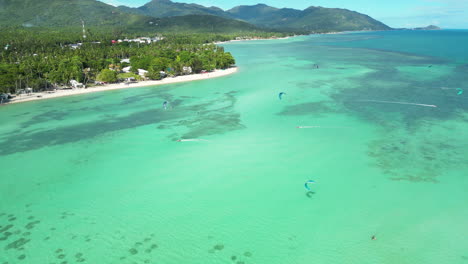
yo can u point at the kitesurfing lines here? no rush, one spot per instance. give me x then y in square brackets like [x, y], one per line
[191, 139]
[459, 90]
[393, 102]
[322, 127]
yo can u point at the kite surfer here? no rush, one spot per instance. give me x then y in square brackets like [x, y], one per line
[280, 95]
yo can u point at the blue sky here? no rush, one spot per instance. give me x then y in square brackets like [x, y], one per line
[395, 13]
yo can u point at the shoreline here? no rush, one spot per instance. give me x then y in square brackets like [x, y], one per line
[168, 80]
[118, 86]
[294, 36]
[250, 39]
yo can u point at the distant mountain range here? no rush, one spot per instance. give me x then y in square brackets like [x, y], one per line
[167, 8]
[309, 19]
[165, 15]
[71, 13]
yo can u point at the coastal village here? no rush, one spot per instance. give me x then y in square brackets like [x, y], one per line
[125, 72]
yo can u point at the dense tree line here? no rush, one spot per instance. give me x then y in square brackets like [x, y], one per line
[45, 59]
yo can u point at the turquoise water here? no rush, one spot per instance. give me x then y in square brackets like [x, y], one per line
[100, 178]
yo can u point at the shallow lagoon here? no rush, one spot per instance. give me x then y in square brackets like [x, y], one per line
[100, 178]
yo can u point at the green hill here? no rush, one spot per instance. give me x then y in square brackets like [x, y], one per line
[310, 19]
[70, 13]
[336, 19]
[254, 13]
[166, 8]
[264, 15]
[164, 15]
[203, 24]
[53, 13]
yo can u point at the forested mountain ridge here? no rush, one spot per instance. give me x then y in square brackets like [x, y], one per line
[159, 15]
[337, 19]
[59, 13]
[203, 23]
[167, 8]
[311, 19]
[316, 19]
[66, 13]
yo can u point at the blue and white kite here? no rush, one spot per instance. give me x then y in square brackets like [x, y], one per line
[306, 184]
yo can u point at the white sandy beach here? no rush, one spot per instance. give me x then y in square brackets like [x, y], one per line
[108, 87]
[250, 39]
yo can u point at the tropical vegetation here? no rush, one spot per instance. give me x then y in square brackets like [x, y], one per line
[48, 43]
[168, 16]
[42, 60]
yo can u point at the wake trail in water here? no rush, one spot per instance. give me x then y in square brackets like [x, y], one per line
[322, 127]
[191, 139]
[392, 102]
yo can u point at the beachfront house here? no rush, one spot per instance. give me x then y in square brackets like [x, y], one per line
[126, 69]
[76, 85]
[186, 70]
[26, 91]
[125, 61]
[130, 80]
[142, 73]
